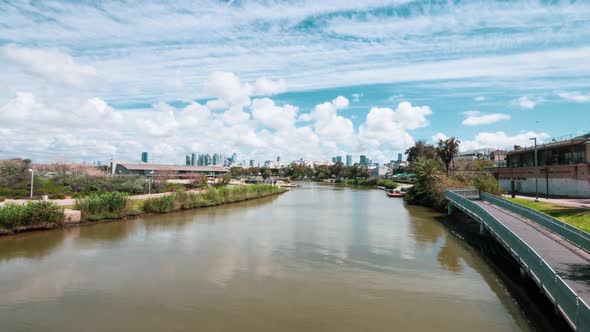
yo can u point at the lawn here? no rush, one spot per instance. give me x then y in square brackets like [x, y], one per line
[578, 217]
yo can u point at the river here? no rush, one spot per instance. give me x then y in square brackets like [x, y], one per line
[318, 258]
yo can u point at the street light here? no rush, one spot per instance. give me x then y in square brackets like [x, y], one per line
[150, 182]
[536, 170]
[32, 180]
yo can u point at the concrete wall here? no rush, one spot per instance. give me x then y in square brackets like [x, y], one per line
[565, 180]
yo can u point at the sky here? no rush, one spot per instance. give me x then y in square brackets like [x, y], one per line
[89, 81]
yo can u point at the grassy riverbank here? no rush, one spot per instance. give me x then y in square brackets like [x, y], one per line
[374, 182]
[577, 217]
[116, 205]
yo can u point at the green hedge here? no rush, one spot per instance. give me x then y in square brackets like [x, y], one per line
[30, 214]
[102, 206]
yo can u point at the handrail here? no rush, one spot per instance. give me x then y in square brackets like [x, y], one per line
[574, 309]
[568, 232]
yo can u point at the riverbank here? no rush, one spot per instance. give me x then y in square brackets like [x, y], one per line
[17, 218]
[576, 216]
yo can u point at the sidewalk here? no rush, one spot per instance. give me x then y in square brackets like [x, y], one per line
[583, 203]
[72, 201]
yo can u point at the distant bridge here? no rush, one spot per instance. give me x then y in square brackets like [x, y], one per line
[555, 254]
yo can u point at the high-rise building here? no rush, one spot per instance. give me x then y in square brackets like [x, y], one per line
[251, 162]
[144, 157]
[348, 160]
[216, 159]
[338, 159]
[363, 161]
[399, 157]
[334, 160]
[188, 160]
[193, 159]
[278, 159]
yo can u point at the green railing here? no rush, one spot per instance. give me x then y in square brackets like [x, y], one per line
[573, 308]
[568, 232]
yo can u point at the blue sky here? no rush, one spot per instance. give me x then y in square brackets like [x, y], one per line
[299, 79]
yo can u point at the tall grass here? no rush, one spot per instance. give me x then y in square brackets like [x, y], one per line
[388, 184]
[212, 196]
[102, 206]
[31, 214]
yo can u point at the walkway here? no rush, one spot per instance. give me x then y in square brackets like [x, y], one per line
[583, 203]
[555, 255]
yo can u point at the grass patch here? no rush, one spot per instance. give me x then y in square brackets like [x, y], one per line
[30, 215]
[577, 217]
[103, 206]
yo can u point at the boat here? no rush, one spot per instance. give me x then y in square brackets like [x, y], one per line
[396, 194]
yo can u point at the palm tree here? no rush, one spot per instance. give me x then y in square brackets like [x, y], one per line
[447, 150]
[427, 170]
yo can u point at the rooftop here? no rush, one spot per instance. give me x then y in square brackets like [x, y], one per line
[555, 143]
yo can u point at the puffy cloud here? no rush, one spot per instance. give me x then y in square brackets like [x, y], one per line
[438, 137]
[330, 126]
[340, 103]
[475, 118]
[227, 87]
[525, 102]
[267, 87]
[273, 116]
[501, 140]
[575, 96]
[51, 64]
[161, 123]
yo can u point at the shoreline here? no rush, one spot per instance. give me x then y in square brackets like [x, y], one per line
[48, 226]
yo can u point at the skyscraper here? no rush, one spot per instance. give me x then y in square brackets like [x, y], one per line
[251, 162]
[348, 160]
[338, 159]
[144, 157]
[188, 160]
[193, 157]
[399, 157]
[334, 160]
[363, 161]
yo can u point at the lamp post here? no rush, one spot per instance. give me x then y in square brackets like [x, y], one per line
[536, 171]
[32, 180]
[150, 182]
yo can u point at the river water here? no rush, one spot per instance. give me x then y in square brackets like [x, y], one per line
[318, 258]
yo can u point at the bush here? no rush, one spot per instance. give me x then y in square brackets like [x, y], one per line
[161, 204]
[487, 183]
[2, 198]
[102, 206]
[30, 214]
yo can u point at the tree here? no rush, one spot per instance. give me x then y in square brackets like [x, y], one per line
[447, 150]
[427, 171]
[421, 150]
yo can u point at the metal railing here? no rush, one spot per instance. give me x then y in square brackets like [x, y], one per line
[572, 307]
[568, 232]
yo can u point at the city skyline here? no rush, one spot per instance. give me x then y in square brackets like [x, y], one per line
[115, 79]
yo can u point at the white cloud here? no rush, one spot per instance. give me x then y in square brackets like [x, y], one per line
[501, 140]
[273, 116]
[575, 96]
[525, 102]
[356, 97]
[267, 87]
[341, 102]
[479, 98]
[51, 64]
[475, 118]
[228, 88]
[439, 136]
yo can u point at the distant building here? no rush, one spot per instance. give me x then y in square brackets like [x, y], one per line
[251, 162]
[333, 160]
[278, 159]
[563, 168]
[193, 159]
[380, 171]
[144, 157]
[188, 160]
[338, 159]
[348, 160]
[174, 170]
[399, 157]
[363, 161]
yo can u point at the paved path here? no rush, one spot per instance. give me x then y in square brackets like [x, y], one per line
[573, 202]
[72, 201]
[569, 261]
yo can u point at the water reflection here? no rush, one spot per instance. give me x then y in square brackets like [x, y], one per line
[319, 257]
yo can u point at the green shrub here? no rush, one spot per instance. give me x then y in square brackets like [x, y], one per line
[160, 204]
[30, 214]
[2, 198]
[102, 206]
[487, 183]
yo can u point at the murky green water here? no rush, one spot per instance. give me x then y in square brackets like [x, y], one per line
[319, 258]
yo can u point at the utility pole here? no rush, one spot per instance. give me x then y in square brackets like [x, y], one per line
[32, 180]
[536, 171]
